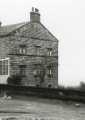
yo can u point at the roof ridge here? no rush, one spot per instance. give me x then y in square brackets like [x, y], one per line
[8, 25]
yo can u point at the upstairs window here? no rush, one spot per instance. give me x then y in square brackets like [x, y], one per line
[49, 51]
[37, 49]
[22, 49]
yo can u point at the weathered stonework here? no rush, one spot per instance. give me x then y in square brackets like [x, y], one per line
[36, 41]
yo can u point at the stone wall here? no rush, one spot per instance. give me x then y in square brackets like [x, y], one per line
[10, 47]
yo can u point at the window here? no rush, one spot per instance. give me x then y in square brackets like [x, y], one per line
[49, 71]
[4, 67]
[49, 50]
[22, 49]
[37, 50]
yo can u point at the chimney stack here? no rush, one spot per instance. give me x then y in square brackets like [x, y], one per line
[34, 15]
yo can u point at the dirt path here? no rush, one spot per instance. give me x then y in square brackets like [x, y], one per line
[41, 108]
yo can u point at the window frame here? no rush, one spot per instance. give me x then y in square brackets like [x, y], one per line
[50, 71]
[37, 49]
[23, 49]
[4, 66]
[49, 51]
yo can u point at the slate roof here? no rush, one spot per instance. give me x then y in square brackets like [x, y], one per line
[33, 30]
[5, 30]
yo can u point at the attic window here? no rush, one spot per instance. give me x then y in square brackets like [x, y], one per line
[22, 49]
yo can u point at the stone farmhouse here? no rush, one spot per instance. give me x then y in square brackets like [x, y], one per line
[30, 50]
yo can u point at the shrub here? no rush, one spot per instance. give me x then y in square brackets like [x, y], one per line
[14, 80]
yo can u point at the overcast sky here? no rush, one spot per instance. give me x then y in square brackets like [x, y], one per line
[66, 20]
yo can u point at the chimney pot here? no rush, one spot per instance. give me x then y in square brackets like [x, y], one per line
[36, 10]
[32, 9]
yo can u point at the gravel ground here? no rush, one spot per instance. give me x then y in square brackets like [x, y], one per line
[40, 109]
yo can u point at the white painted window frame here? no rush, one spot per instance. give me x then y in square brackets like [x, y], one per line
[8, 66]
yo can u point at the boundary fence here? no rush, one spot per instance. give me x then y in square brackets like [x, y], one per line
[51, 93]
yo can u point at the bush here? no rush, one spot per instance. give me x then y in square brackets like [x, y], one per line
[82, 86]
[14, 80]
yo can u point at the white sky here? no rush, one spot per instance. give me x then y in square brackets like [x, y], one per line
[66, 20]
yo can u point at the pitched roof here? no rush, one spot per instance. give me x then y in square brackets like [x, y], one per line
[5, 30]
[31, 29]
